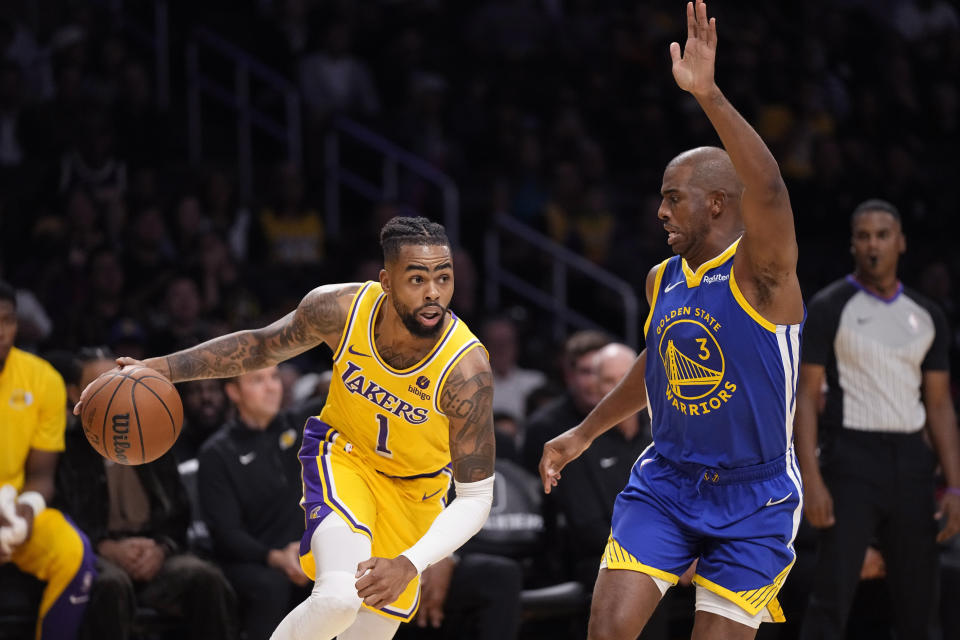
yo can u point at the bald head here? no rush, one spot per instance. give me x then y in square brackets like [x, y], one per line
[612, 363]
[712, 170]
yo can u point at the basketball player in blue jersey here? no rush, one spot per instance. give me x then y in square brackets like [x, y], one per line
[409, 406]
[719, 485]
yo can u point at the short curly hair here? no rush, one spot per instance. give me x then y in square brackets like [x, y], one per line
[400, 231]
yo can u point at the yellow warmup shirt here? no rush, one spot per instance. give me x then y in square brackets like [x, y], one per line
[33, 412]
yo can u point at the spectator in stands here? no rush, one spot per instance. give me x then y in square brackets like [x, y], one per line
[205, 410]
[291, 231]
[38, 540]
[127, 336]
[466, 303]
[468, 597]
[102, 303]
[229, 217]
[592, 481]
[333, 80]
[149, 256]
[580, 396]
[12, 152]
[183, 325]
[249, 485]
[137, 519]
[511, 383]
[91, 163]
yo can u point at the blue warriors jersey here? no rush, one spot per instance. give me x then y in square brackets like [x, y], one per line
[392, 417]
[721, 379]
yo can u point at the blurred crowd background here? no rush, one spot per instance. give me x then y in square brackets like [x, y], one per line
[558, 113]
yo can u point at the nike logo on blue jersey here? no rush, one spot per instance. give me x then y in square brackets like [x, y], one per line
[427, 497]
[772, 502]
[671, 286]
[357, 353]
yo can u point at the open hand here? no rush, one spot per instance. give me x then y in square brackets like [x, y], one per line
[949, 511]
[817, 502]
[694, 69]
[557, 453]
[287, 561]
[382, 580]
[434, 585]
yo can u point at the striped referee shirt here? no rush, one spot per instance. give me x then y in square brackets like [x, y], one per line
[875, 351]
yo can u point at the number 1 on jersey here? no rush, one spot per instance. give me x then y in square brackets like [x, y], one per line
[382, 434]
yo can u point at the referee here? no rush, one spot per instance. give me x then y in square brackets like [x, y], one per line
[881, 351]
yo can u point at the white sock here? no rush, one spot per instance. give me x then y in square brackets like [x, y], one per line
[333, 604]
[370, 626]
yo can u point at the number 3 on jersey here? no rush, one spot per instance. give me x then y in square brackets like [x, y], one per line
[382, 434]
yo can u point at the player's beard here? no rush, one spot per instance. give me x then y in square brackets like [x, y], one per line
[409, 319]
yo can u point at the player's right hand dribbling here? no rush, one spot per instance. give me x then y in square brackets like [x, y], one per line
[121, 363]
[557, 453]
[817, 502]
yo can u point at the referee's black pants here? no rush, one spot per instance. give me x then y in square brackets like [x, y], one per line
[882, 488]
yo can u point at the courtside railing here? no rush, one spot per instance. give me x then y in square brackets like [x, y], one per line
[237, 98]
[393, 159]
[553, 298]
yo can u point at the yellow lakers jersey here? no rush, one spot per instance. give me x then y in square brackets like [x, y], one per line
[390, 416]
[33, 412]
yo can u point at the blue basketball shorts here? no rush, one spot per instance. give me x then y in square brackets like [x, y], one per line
[739, 524]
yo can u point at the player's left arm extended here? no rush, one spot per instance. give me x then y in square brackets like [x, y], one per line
[467, 400]
[942, 427]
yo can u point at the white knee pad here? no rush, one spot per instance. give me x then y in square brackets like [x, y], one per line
[370, 626]
[339, 588]
[714, 603]
[333, 604]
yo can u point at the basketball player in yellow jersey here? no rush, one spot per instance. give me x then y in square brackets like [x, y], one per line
[409, 404]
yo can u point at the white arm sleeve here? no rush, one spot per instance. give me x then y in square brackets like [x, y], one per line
[455, 525]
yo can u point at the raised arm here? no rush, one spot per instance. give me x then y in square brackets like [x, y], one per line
[767, 255]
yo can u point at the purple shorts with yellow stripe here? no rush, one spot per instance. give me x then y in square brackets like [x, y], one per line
[393, 512]
[739, 524]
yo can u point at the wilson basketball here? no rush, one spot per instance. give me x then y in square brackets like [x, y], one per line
[132, 416]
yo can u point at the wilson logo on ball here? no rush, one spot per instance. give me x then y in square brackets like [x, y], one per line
[121, 426]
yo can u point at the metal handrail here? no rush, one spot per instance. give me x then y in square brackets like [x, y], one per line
[555, 300]
[237, 98]
[393, 158]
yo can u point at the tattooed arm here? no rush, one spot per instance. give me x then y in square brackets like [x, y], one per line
[318, 318]
[467, 399]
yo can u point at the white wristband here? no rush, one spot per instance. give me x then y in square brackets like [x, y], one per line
[454, 525]
[34, 500]
[15, 531]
